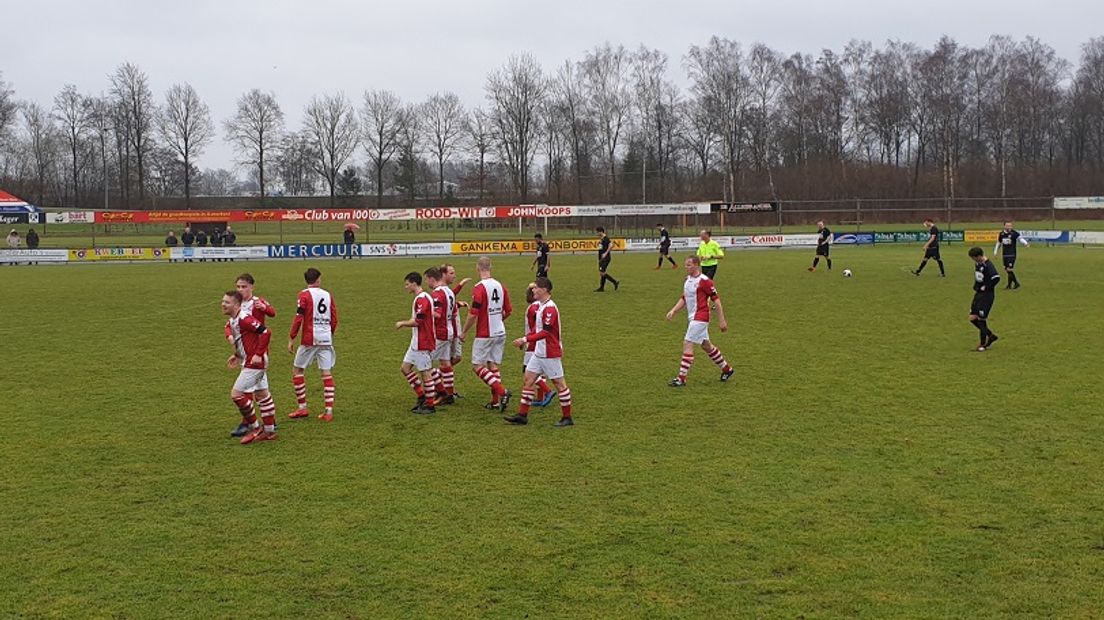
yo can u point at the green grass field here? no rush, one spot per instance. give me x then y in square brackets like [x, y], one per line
[863, 463]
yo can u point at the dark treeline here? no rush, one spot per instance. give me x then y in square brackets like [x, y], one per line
[1010, 118]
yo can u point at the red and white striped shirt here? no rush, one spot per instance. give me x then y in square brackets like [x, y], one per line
[546, 333]
[697, 292]
[250, 338]
[423, 338]
[491, 306]
[440, 312]
[316, 313]
[531, 324]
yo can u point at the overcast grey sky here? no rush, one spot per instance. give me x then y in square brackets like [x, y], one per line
[415, 47]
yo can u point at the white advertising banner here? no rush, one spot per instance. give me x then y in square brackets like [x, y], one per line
[1079, 202]
[245, 252]
[34, 256]
[1089, 237]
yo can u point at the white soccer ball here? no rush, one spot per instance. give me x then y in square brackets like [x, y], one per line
[847, 273]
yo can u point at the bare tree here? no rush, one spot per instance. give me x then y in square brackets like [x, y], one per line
[443, 120]
[8, 107]
[256, 130]
[130, 86]
[720, 82]
[657, 100]
[699, 134]
[186, 128]
[477, 129]
[293, 165]
[73, 111]
[568, 90]
[331, 127]
[605, 70]
[515, 92]
[102, 122]
[382, 119]
[41, 138]
[765, 79]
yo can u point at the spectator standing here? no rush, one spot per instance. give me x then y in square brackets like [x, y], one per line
[13, 240]
[32, 239]
[350, 239]
[188, 239]
[171, 241]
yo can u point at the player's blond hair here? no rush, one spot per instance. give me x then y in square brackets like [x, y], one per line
[484, 263]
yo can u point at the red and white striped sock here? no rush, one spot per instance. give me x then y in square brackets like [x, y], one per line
[299, 382]
[719, 359]
[565, 402]
[245, 408]
[415, 383]
[542, 388]
[526, 401]
[430, 391]
[437, 381]
[684, 366]
[268, 413]
[493, 382]
[328, 390]
[449, 378]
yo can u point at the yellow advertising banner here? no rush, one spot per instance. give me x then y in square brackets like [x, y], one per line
[110, 254]
[527, 246]
[981, 236]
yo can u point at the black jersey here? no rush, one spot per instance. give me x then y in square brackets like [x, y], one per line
[664, 239]
[986, 275]
[825, 236]
[935, 241]
[542, 254]
[1008, 241]
[603, 246]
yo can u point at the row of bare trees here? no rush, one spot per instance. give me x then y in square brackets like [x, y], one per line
[1007, 118]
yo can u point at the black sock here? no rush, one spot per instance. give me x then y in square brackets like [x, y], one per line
[659, 263]
[941, 272]
[672, 261]
[816, 259]
[983, 327]
[922, 264]
[615, 282]
[1013, 279]
[829, 261]
[602, 282]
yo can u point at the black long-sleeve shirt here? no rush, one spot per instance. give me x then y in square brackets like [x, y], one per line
[987, 276]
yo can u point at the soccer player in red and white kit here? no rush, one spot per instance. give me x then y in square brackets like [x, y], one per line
[547, 357]
[316, 314]
[544, 393]
[423, 341]
[697, 294]
[448, 276]
[490, 307]
[258, 308]
[444, 305]
[250, 340]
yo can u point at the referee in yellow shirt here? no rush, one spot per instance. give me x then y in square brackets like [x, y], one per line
[709, 251]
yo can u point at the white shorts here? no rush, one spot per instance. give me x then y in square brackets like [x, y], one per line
[323, 356]
[457, 346]
[488, 350]
[551, 367]
[697, 332]
[251, 380]
[525, 359]
[420, 360]
[443, 352]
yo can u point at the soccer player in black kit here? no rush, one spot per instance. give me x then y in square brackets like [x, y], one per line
[665, 247]
[1006, 242]
[605, 251]
[824, 246]
[931, 249]
[986, 279]
[541, 260]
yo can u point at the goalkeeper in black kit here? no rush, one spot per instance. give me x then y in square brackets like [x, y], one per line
[986, 279]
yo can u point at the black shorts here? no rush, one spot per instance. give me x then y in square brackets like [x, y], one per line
[1009, 261]
[982, 305]
[665, 250]
[542, 271]
[932, 253]
[710, 271]
[822, 250]
[603, 263]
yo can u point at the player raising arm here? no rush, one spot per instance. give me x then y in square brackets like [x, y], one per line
[250, 341]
